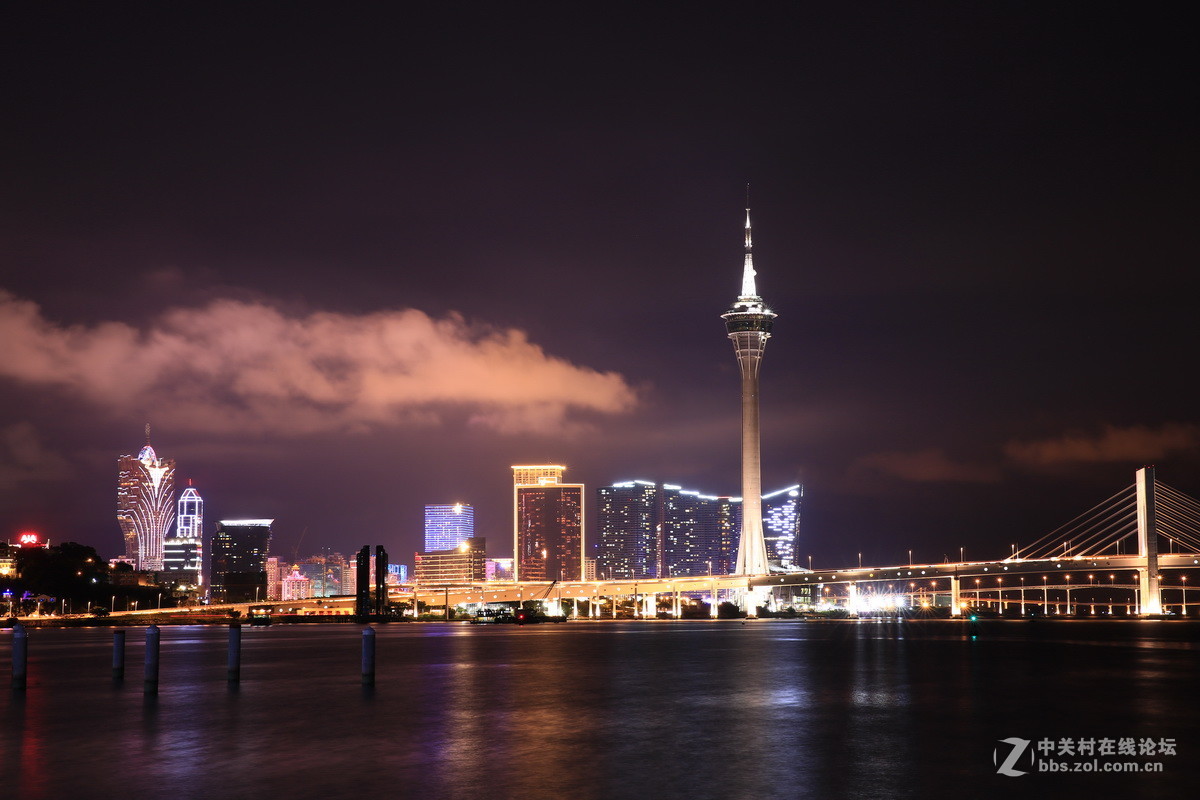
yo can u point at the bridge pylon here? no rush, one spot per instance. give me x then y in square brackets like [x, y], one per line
[1147, 532]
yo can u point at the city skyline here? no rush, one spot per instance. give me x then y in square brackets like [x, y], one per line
[344, 287]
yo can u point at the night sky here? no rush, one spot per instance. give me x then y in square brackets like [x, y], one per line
[350, 259]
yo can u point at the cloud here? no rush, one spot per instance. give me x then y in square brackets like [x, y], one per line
[24, 458]
[927, 466]
[1135, 444]
[245, 366]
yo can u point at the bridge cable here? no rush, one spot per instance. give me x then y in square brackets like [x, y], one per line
[1050, 542]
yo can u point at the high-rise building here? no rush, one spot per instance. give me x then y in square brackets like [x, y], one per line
[145, 505]
[459, 566]
[349, 578]
[699, 532]
[184, 552]
[547, 524]
[239, 560]
[448, 526]
[649, 530]
[781, 526]
[296, 586]
[748, 324]
[630, 530]
[274, 576]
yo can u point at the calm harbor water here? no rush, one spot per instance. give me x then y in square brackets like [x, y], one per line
[601, 710]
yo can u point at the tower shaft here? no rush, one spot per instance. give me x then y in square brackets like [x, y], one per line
[752, 548]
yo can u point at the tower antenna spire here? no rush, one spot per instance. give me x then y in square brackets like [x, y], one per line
[147, 433]
[748, 287]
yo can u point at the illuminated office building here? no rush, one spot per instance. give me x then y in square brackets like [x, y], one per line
[458, 566]
[145, 505]
[274, 576]
[296, 586]
[700, 532]
[781, 526]
[448, 526]
[630, 526]
[649, 530]
[238, 572]
[547, 524]
[184, 552]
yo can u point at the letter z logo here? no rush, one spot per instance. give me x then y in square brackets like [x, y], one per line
[1018, 746]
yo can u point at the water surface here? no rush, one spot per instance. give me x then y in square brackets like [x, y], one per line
[696, 709]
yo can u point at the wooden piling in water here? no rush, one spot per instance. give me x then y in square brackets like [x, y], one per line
[150, 685]
[233, 665]
[20, 657]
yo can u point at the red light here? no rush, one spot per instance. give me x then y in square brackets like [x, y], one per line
[28, 538]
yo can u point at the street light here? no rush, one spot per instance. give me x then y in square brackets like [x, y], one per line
[1045, 597]
[1068, 577]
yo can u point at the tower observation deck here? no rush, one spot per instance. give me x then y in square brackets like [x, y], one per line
[748, 323]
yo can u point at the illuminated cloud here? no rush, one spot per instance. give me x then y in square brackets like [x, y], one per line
[927, 466]
[235, 365]
[1136, 444]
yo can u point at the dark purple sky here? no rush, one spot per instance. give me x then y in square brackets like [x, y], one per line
[352, 259]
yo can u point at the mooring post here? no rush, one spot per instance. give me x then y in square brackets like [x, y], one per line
[20, 656]
[150, 686]
[233, 665]
[118, 664]
[368, 656]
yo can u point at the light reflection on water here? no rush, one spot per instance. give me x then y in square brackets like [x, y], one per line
[586, 710]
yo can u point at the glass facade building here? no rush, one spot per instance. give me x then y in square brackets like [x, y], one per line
[459, 566]
[184, 553]
[630, 518]
[649, 530]
[238, 572]
[448, 526]
[547, 524]
[781, 526]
